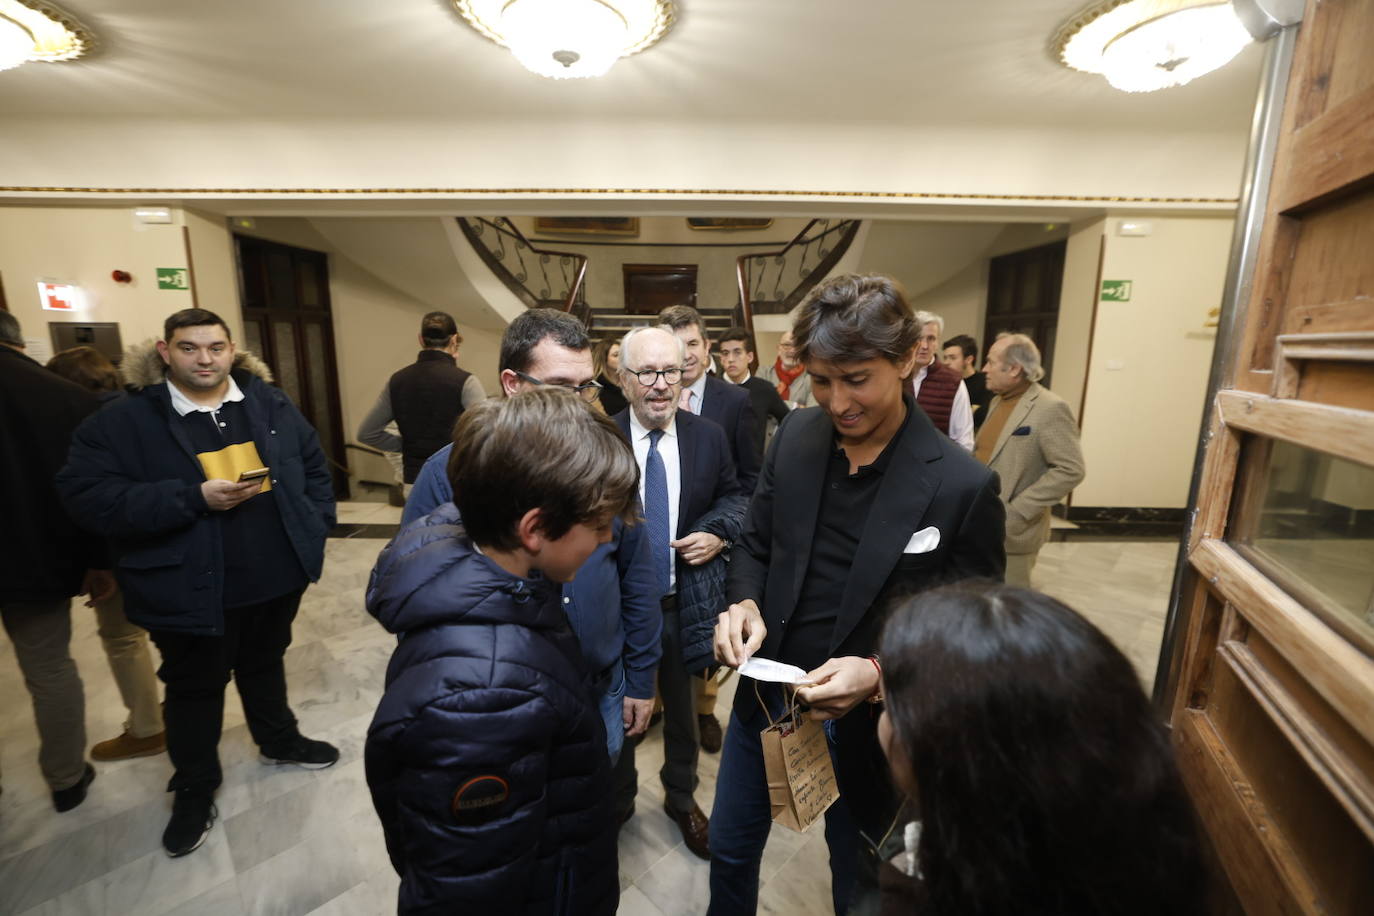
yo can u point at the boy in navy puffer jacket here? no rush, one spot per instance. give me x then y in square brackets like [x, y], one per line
[487, 756]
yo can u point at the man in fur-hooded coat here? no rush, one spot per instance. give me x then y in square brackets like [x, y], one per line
[212, 552]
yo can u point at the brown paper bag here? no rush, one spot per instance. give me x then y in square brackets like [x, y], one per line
[801, 778]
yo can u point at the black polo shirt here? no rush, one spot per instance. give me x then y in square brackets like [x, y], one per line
[845, 502]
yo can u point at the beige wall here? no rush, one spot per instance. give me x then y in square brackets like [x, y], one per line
[82, 247]
[1147, 378]
[375, 329]
[1077, 302]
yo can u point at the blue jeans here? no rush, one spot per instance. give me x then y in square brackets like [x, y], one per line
[613, 713]
[742, 817]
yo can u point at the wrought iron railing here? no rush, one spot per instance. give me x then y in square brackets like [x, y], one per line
[773, 282]
[540, 278]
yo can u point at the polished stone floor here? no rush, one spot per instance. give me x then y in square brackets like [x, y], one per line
[292, 842]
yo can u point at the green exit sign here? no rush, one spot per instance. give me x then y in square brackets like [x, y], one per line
[1116, 290]
[173, 278]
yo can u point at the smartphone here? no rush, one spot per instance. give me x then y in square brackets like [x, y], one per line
[255, 474]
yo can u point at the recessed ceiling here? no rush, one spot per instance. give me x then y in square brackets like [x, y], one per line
[763, 61]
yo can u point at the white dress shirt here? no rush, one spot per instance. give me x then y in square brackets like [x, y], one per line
[698, 390]
[960, 413]
[672, 467]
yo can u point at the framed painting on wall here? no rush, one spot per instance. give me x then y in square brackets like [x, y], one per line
[587, 225]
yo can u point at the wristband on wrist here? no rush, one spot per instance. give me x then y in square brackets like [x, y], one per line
[877, 695]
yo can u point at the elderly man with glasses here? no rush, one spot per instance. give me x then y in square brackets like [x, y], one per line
[613, 603]
[693, 509]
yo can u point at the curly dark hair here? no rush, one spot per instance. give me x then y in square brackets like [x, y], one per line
[1044, 782]
[853, 318]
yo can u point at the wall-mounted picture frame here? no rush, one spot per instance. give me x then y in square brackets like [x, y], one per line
[727, 222]
[587, 225]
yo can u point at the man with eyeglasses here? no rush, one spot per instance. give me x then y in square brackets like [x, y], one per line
[693, 508]
[613, 603]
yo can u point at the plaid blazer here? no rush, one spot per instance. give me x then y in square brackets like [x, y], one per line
[1039, 460]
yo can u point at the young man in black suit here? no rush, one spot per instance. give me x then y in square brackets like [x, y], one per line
[872, 503]
[693, 509]
[736, 360]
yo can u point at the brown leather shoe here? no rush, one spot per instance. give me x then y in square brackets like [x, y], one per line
[695, 828]
[711, 738]
[126, 746]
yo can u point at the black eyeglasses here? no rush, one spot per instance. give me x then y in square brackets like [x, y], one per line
[586, 392]
[649, 377]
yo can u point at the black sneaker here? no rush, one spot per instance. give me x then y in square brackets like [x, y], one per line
[193, 814]
[68, 798]
[302, 752]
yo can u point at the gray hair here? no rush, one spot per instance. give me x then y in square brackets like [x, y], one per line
[10, 332]
[925, 318]
[625, 344]
[1022, 351]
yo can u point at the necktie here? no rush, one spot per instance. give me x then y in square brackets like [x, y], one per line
[656, 509]
[685, 402]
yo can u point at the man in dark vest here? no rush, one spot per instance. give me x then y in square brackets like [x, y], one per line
[425, 399]
[938, 389]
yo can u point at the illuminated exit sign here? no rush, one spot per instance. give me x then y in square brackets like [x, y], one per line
[58, 297]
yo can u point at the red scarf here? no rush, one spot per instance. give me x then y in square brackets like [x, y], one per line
[786, 377]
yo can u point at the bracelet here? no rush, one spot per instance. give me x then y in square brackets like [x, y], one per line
[877, 696]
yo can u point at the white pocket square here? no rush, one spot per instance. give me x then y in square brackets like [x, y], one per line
[923, 541]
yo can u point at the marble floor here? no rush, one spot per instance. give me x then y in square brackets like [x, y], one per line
[291, 842]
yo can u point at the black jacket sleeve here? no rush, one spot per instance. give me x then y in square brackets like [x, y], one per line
[749, 558]
[104, 498]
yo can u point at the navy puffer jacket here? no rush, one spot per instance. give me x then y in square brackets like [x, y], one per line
[487, 756]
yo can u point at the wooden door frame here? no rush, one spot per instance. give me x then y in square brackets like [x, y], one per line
[1271, 704]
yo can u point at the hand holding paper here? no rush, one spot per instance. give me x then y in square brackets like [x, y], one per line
[838, 686]
[739, 633]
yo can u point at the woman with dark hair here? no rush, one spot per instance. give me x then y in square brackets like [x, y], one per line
[126, 644]
[1042, 781]
[861, 501]
[606, 360]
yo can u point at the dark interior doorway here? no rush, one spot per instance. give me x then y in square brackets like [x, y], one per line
[650, 288]
[285, 297]
[1023, 296]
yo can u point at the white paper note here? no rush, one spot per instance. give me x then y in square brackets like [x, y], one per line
[765, 669]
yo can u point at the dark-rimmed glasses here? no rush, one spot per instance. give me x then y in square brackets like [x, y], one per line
[587, 391]
[649, 377]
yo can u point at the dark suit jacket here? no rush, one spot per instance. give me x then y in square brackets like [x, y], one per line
[728, 406]
[707, 469]
[764, 398]
[978, 397]
[930, 481]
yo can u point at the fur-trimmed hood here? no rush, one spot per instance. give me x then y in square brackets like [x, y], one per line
[143, 367]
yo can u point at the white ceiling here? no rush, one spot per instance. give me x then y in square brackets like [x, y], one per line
[837, 62]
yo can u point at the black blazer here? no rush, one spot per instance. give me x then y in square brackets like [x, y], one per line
[930, 481]
[707, 470]
[728, 406]
[765, 400]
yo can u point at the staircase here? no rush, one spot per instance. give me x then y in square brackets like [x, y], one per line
[614, 323]
[772, 282]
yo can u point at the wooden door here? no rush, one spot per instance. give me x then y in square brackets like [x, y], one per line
[1270, 686]
[650, 288]
[287, 322]
[1023, 296]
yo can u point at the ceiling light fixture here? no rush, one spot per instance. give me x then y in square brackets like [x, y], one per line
[1144, 45]
[31, 30]
[569, 39]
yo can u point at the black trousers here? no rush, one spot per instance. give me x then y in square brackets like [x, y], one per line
[681, 738]
[196, 669]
